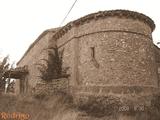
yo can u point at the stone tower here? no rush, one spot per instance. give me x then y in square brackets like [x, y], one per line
[116, 53]
[111, 50]
[109, 53]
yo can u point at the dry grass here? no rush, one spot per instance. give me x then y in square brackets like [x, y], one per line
[57, 107]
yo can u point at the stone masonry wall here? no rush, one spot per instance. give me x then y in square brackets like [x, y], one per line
[110, 48]
[123, 58]
[123, 51]
[157, 56]
[53, 87]
[33, 57]
[68, 55]
[110, 56]
[111, 59]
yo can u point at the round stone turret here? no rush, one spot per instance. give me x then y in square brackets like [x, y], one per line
[115, 52]
[110, 53]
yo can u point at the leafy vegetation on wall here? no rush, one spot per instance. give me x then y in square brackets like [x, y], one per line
[53, 69]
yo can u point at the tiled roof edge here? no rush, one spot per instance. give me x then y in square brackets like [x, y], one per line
[103, 14]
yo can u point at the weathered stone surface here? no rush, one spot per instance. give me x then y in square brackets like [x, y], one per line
[53, 87]
[34, 55]
[123, 51]
[108, 53]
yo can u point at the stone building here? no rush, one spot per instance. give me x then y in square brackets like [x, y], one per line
[108, 53]
[32, 56]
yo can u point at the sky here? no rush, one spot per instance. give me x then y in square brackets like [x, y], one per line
[22, 21]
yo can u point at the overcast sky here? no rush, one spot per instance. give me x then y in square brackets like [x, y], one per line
[22, 21]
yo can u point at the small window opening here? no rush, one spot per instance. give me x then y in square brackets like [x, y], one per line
[93, 52]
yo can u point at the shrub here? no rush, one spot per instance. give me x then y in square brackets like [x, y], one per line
[54, 69]
[4, 67]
